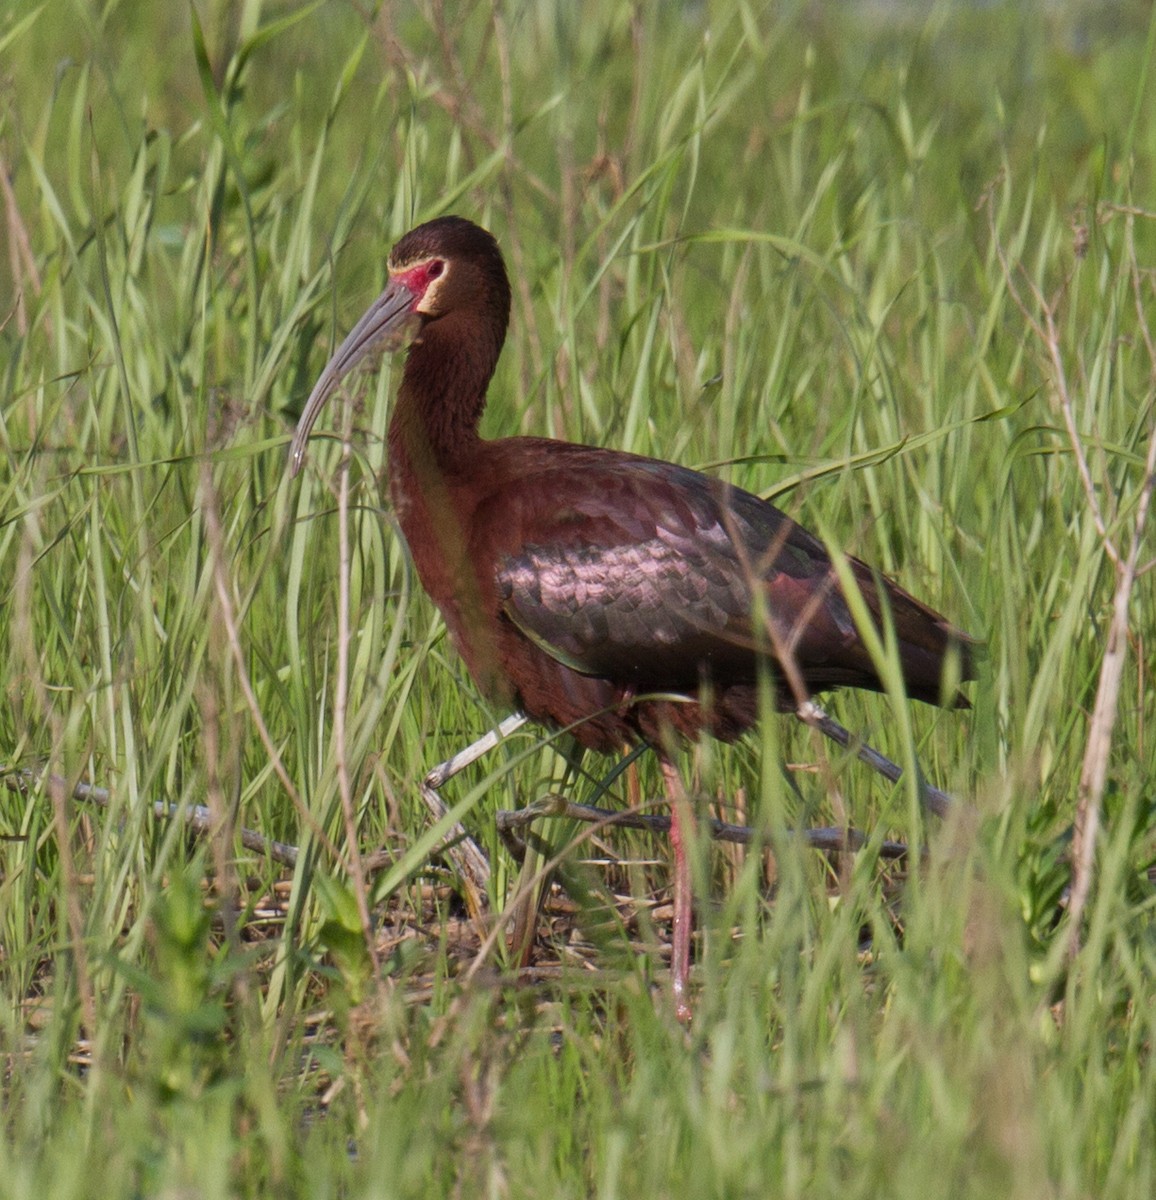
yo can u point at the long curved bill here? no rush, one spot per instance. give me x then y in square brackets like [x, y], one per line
[387, 325]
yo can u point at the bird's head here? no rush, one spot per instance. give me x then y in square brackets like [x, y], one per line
[446, 266]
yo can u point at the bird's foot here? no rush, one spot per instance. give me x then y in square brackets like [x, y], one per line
[811, 714]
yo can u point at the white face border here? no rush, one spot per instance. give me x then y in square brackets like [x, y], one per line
[426, 279]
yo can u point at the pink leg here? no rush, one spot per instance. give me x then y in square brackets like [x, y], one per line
[683, 910]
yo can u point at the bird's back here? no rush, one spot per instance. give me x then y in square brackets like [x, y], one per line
[639, 576]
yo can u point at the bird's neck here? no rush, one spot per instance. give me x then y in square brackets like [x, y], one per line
[433, 441]
[442, 394]
[433, 448]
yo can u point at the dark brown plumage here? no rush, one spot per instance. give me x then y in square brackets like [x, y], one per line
[577, 581]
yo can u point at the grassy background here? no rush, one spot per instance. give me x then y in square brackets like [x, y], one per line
[803, 245]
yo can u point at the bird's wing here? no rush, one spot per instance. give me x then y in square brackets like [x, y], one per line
[648, 572]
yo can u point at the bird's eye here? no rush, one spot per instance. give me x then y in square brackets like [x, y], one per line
[435, 269]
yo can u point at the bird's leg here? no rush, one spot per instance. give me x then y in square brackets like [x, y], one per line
[681, 824]
[468, 860]
[811, 714]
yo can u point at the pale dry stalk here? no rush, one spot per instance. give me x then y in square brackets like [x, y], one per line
[1097, 751]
